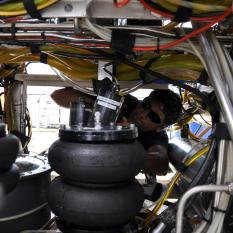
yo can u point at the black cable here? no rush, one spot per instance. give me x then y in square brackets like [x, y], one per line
[160, 8]
[151, 76]
[83, 56]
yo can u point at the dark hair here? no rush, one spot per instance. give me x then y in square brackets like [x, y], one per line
[172, 104]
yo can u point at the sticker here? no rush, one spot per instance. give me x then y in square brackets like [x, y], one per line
[107, 105]
[109, 101]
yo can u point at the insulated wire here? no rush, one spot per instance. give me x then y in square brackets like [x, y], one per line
[172, 16]
[200, 7]
[121, 3]
[11, 10]
[174, 180]
[188, 36]
[195, 50]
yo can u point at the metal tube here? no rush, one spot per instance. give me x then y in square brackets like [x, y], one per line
[216, 80]
[191, 192]
[221, 162]
[41, 26]
[229, 60]
[38, 34]
[159, 228]
[226, 69]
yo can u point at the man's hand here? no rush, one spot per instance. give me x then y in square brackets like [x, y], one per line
[156, 161]
[63, 97]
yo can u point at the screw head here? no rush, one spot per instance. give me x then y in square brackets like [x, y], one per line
[68, 8]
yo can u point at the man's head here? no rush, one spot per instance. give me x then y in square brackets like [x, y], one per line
[157, 111]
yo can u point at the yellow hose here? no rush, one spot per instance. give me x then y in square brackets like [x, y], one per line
[161, 201]
[175, 66]
[15, 9]
[200, 5]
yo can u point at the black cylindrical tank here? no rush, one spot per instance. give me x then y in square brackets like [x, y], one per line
[97, 188]
[26, 206]
[95, 207]
[97, 162]
[9, 145]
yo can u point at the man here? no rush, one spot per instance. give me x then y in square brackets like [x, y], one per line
[157, 111]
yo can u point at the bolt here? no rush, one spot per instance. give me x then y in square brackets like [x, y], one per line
[112, 124]
[68, 8]
[132, 126]
[119, 127]
[230, 186]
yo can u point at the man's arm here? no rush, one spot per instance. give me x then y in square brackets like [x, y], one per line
[63, 97]
[156, 161]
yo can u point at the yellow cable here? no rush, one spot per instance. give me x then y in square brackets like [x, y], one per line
[161, 201]
[43, 5]
[198, 6]
[171, 6]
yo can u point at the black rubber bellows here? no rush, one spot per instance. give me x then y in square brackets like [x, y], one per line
[97, 189]
[9, 145]
[9, 172]
[100, 163]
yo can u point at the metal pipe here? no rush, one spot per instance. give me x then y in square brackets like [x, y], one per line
[226, 69]
[216, 80]
[38, 34]
[159, 228]
[221, 163]
[191, 192]
[40, 26]
[229, 60]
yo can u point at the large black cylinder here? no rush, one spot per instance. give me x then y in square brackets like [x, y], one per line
[25, 207]
[9, 145]
[97, 189]
[95, 207]
[97, 162]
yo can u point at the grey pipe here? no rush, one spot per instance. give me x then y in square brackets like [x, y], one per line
[191, 192]
[159, 228]
[216, 80]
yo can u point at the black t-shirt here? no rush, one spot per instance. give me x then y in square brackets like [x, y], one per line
[147, 139]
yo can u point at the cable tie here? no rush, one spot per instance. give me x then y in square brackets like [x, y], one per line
[35, 49]
[205, 219]
[43, 35]
[31, 9]
[44, 58]
[183, 14]
[123, 42]
[13, 30]
[158, 45]
[218, 210]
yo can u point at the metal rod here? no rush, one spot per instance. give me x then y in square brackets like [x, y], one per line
[216, 80]
[221, 162]
[159, 228]
[36, 26]
[226, 69]
[191, 192]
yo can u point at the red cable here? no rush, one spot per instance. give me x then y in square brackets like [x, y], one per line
[121, 3]
[171, 16]
[192, 34]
